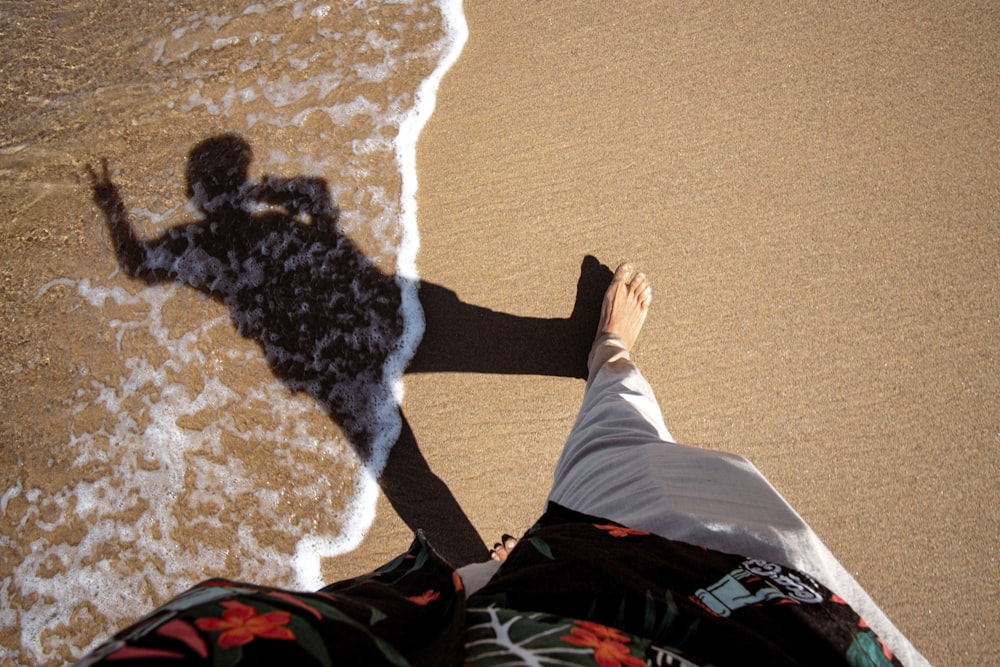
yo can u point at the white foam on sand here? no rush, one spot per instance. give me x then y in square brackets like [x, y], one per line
[144, 473]
[361, 512]
[362, 509]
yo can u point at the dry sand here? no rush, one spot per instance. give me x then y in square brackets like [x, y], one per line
[813, 192]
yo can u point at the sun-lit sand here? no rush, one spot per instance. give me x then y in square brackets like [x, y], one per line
[812, 193]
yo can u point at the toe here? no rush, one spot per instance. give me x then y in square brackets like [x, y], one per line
[624, 272]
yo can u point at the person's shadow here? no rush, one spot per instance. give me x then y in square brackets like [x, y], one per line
[327, 319]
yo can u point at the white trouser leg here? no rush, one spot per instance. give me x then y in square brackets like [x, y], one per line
[620, 463]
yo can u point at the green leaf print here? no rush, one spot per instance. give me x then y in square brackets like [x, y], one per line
[866, 651]
[542, 547]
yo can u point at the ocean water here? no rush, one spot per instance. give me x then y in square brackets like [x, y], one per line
[208, 254]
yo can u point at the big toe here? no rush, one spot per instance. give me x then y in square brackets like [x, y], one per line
[625, 272]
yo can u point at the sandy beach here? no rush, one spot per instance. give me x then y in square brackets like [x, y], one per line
[813, 194]
[811, 190]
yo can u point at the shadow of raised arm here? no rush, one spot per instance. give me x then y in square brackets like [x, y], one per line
[130, 251]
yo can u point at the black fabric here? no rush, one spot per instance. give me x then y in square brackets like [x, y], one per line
[578, 589]
[710, 607]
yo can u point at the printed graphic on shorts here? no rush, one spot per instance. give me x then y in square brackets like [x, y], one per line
[757, 582]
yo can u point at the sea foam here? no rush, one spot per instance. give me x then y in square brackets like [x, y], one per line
[169, 423]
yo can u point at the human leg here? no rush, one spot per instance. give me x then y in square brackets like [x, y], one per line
[620, 461]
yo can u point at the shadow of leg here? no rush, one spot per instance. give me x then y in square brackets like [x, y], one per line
[464, 338]
[461, 337]
[423, 501]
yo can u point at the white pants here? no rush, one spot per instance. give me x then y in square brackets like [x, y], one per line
[621, 463]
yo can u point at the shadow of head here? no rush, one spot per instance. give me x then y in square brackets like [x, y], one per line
[217, 169]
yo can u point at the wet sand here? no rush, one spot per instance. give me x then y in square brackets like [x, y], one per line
[116, 491]
[812, 192]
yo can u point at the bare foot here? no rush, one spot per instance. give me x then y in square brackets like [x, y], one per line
[501, 550]
[625, 305]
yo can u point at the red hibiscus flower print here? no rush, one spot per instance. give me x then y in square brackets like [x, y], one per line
[619, 531]
[609, 645]
[424, 598]
[240, 624]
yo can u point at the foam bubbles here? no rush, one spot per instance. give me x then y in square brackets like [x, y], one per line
[170, 421]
